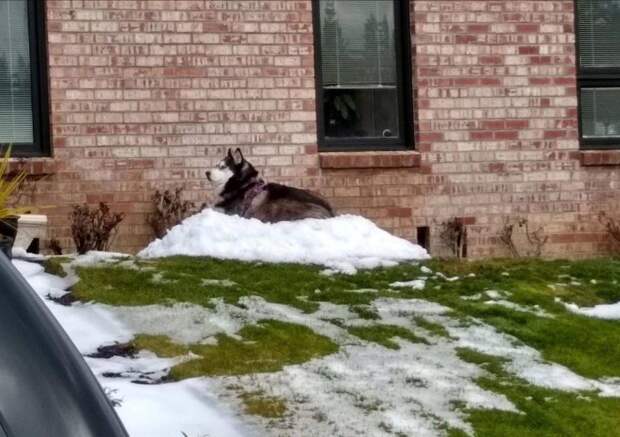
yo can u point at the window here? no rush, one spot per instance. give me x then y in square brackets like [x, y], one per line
[598, 27]
[23, 110]
[362, 72]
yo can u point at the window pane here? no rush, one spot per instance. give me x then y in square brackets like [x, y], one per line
[361, 113]
[600, 112]
[16, 124]
[359, 69]
[599, 32]
[357, 42]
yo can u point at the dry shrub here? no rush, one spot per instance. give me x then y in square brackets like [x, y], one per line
[612, 226]
[54, 246]
[170, 210]
[93, 229]
[530, 244]
[453, 234]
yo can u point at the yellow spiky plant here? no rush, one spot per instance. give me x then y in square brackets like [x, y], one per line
[8, 187]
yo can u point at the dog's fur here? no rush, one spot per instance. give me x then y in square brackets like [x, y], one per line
[242, 192]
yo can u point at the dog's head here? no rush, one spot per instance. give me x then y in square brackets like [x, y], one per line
[232, 172]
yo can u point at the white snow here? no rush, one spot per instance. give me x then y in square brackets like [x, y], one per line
[343, 244]
[493, 294]
[161, 410]
[605, 311]
[526, 362]
[171, 409]
[366, 389]
[416, 284]
[535, 309]
[220, 282]
[363, 389]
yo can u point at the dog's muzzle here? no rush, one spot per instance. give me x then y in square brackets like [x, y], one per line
[208, 173]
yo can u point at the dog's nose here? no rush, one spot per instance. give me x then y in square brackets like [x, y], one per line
[208, 175]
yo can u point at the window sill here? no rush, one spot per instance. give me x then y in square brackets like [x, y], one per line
[344, 160]
[593, 158]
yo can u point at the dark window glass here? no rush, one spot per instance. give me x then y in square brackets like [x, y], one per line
[598, 25]
[21, 96]
[360, 65]
[600, 112]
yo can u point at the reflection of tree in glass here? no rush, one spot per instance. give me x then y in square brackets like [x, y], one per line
[4, 69]
[371, 43]
[379, 51]
[340, 108]
[334, 45]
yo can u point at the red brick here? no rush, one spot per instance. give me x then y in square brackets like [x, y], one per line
[147, 97]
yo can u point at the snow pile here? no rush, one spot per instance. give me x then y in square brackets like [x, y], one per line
[345, 243]
[608, 311]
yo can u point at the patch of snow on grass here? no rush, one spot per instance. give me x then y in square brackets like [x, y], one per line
[343, 244]
[493, 294]
[476, 296]
[526, 362]
[220, 282]
[447, 278]
[605, 311]
[416, 284]
[183, 322]
[370, 390]
[95, 257]
[536, 310]
[363, 290]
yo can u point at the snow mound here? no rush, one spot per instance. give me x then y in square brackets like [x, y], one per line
[344, 243]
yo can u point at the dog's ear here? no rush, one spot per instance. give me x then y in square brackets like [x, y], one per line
[229, 154]
[238, 157]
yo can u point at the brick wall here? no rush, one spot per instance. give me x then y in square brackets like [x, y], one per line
[146, 94]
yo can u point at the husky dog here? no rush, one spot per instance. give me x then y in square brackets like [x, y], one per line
[242, 192]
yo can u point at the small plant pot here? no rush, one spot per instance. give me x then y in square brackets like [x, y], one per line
[6, 245]
[8, 226]
[8, 231]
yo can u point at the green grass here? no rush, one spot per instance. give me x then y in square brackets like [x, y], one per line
[53, 265]
[543, 412]
[577, 342]
[384, 334]
[587, 346]
[258, 404]
[183, 281]
[580, 343]
[433, 328]
[265, 347]
[365, 312]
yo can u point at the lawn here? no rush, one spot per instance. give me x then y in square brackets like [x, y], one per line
[439, 348]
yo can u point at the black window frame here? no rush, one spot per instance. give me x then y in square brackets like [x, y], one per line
[593, 77]
[41, 145]
[403, 46]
